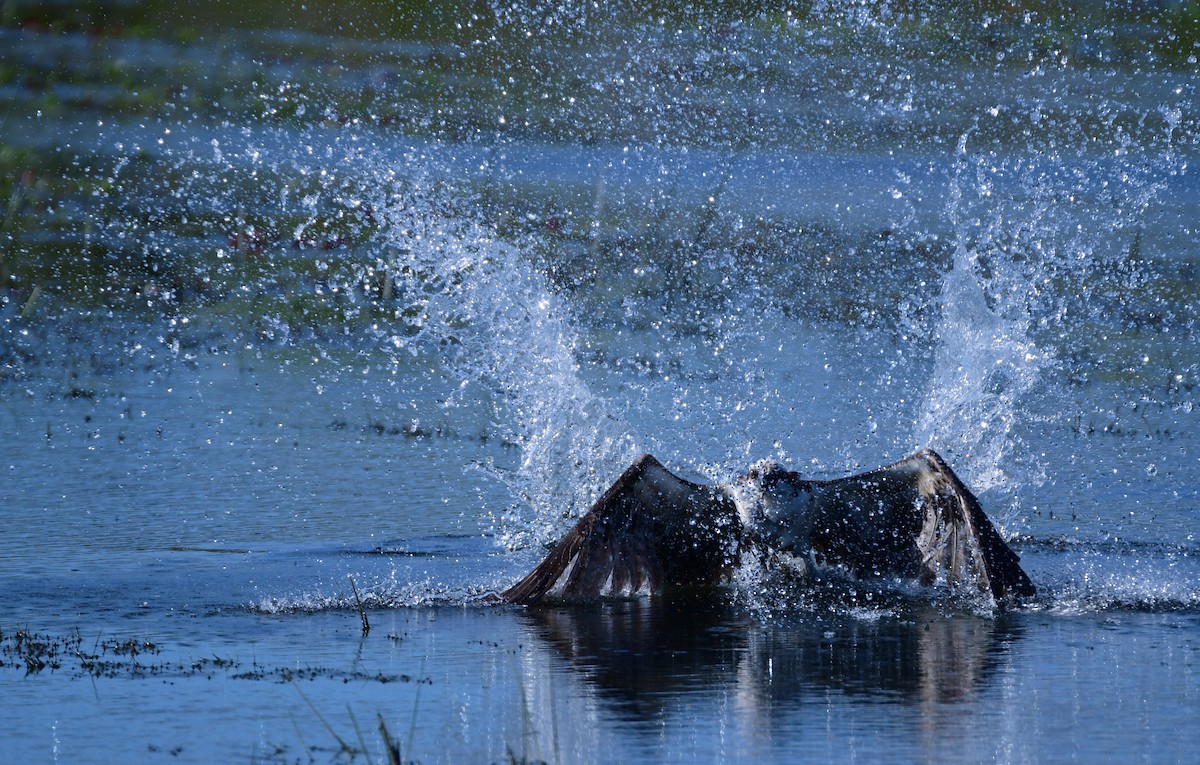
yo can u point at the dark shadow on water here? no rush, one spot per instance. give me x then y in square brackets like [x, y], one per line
[646, 656]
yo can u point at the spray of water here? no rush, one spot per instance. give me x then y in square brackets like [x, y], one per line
[498, 325]
[984, 362]
[733, 347]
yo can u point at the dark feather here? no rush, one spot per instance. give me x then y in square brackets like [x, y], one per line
[650, 530]
[654, 531]
[912, 519]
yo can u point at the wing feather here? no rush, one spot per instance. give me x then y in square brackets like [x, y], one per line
[958, 538]
[914, 518]
[650, 529]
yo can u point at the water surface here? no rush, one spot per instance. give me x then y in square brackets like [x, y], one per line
[298, 314]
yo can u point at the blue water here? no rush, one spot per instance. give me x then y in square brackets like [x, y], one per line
[221, 430]
[221, 512]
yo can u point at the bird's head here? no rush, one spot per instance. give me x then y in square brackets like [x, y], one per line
[775, 503]
[764, 472]
[766, 478]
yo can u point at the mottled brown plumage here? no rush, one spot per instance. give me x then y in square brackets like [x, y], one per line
[650, 529]
[653, 531]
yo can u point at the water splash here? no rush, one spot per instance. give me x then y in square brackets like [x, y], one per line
[498, 325]
[392, 594]
[1041, 220]
[984, 364]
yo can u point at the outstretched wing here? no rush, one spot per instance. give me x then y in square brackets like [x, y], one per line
[914, 518]
[650, 530]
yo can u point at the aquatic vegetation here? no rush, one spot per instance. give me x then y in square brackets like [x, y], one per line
[38, 653]
[109, 657]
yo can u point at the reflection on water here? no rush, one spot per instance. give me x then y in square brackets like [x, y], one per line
[646, 656]
[626, 680]
[683, 682]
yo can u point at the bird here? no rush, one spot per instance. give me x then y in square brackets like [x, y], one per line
[654, 532]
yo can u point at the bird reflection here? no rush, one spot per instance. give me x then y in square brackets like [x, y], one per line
[644, 655]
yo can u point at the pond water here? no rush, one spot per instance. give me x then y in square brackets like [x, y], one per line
[316, 327]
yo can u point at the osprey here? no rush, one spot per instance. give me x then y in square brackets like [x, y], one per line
[654, 531]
